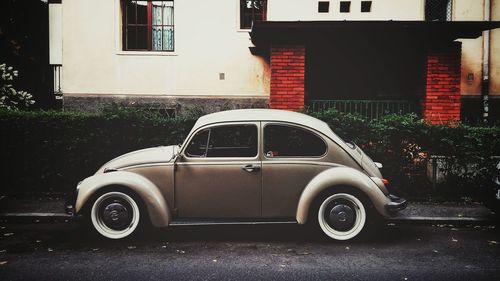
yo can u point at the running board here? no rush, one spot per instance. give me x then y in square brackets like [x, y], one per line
[226, 222]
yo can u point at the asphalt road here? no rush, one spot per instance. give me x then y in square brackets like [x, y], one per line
[63, 251]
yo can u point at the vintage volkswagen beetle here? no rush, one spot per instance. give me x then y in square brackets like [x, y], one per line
[241, 166]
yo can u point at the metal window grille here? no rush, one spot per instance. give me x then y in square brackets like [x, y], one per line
[252, 10]
[438, 10]
[57, 78]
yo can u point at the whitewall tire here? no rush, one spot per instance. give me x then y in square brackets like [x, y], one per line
[341, 216]
[115, 215]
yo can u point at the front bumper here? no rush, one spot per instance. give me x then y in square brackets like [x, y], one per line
[396, 204]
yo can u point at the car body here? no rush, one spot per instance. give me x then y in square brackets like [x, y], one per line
[241, 166]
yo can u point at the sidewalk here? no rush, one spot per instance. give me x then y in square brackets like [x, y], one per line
[33, 207]
[52, 208]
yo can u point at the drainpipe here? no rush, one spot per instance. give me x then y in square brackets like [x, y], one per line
[485, 85]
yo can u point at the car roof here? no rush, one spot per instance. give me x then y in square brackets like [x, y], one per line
[262, 115]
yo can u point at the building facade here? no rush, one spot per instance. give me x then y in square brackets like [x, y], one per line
[378, 56]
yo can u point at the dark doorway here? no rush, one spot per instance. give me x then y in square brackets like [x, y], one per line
[365, 68]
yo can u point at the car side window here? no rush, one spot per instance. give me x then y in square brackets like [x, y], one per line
[198, 145]
[288, 141]
[224, 141]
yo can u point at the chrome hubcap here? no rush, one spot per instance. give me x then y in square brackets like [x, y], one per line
[341, 217]
[115, 214]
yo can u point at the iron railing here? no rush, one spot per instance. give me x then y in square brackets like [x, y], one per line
[371, 109]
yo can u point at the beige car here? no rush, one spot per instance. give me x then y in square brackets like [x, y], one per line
[241, 166]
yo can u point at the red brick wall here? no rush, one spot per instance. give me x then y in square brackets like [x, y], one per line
[287, 77]
[441, 104]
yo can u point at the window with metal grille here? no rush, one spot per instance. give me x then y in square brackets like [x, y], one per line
[250, 11]
[323, 7]
[345, 6]
[366, 6]
[148, 25]
[438, 10]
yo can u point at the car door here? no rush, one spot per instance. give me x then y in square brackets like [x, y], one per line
[218, 174]
[293, 155]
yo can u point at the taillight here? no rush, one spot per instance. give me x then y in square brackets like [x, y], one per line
[385, 182]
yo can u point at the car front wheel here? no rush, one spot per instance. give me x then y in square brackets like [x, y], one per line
[341, 216]
[115, 215]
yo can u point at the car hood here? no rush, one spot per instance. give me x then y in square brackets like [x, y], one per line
[161, 154]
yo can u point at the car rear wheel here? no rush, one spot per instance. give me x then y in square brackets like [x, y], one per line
[341, 216]
[115, 215]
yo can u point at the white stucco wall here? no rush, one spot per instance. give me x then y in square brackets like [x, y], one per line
[285, 10]
[495, 51]
[472, 49]
[208, 41]
[94, 63]
[55, 34]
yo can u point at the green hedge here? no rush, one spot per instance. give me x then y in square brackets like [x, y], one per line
[404, 144]
[52, 151]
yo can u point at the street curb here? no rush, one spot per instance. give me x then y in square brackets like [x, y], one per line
[414, 219]
[443, 220]
[35, 217]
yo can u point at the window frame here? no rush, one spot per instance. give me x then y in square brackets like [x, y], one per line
[368, 5]
[341, 7]
[293, 125]
[241, 14]
[321, 7]
[149, 27]
[256, 125]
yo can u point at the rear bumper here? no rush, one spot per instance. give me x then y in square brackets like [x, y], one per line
[396, 204]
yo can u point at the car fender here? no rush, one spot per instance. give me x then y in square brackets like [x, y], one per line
[340, 177]
[157, 207]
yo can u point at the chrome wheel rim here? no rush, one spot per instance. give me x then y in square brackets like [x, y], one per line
[115, 215]
[341, 216]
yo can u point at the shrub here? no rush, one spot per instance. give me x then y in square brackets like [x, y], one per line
[404, 144]
[52, 151]
[10, 98]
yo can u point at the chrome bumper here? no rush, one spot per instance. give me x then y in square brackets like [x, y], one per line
[396, 204]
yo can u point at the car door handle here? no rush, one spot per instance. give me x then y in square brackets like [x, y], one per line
[250, 168]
